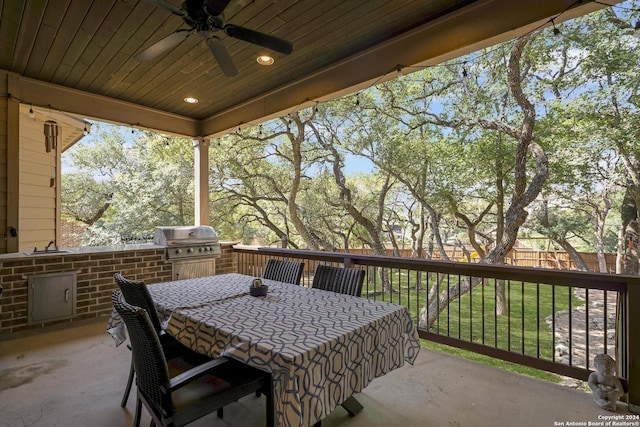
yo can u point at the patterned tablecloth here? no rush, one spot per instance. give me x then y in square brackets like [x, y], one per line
[321, 347]
[189, 293]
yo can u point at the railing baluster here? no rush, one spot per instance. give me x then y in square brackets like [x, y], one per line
[570, 328]
[538, 319]
[448, 305]
[606, 323]
[522, 331]
[509, 315]
[495, 314]
[470, 310]
[553, 321]
[483, 313]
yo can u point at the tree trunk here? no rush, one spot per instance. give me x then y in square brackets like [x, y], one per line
[523, 195]
[577, 259]
[629, 215]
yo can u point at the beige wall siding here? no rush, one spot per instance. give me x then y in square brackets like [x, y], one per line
[38, 182]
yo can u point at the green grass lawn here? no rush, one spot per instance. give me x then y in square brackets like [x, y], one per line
[472, 317]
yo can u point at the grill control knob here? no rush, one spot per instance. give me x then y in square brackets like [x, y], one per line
[190, 250]
[178, 251]
[201, 249]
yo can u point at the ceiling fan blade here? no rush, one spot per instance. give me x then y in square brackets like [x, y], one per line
[168, 6]
[162, 46]
[261, 39]
[215, 7]
[222, 56]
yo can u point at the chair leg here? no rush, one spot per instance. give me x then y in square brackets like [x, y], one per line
[220, 413]
[352, 406]
[129, 384]
[270, 406]
[136, 419]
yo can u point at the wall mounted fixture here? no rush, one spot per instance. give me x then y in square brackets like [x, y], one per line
[51, 131]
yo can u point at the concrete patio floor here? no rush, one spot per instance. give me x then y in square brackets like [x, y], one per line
[75, 377]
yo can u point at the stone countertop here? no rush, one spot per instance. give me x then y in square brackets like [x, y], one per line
[90, 250]
[81, 250]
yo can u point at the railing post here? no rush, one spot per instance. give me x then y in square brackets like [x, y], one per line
[633, 344]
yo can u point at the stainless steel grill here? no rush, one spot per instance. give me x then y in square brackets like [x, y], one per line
[192, 250]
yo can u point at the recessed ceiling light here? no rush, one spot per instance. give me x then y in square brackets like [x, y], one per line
[264, 60]
[191, 100]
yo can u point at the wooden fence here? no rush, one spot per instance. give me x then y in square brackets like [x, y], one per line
[521, 258]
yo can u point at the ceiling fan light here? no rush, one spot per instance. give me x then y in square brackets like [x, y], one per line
[191, 100]
[265, 60]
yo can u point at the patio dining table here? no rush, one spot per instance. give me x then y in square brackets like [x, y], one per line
[319, 346]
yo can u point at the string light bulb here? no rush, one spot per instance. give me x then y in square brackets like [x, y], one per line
[32, 115]
[556, 31]
[85, 131]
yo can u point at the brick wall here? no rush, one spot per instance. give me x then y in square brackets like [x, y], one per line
[95, 280]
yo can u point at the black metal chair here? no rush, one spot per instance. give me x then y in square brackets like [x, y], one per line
[283, 271]
[341, 280]
[135, 292]
[346, 281]
[195, 392]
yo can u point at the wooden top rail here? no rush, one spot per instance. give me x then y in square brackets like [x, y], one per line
[581, 279]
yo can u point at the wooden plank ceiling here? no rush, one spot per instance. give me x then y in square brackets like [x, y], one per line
[90, 46]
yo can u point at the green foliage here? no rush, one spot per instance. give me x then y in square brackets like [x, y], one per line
[128, 183]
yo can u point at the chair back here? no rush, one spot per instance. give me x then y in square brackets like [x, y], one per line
[283, 271]
[346, 281]
[152, 373]
[135, 292]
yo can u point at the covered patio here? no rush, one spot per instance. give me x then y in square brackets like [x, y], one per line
[75, 376]
[76, 61]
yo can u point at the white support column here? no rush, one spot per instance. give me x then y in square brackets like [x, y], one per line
[201, 178]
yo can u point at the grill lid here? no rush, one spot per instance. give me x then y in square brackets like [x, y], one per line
[173, 235]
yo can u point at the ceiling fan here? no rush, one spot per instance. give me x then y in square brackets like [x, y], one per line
[206, 17]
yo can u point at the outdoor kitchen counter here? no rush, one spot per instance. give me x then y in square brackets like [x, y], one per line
[81, 251]
[90, 250]
[95, 267]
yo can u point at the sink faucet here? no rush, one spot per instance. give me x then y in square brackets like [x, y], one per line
[46, 248]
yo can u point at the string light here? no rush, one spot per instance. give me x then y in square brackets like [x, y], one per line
[31, 113]
[85, 131]
[556, 31]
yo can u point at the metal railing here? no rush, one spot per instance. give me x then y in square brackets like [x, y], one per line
[553, 320]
